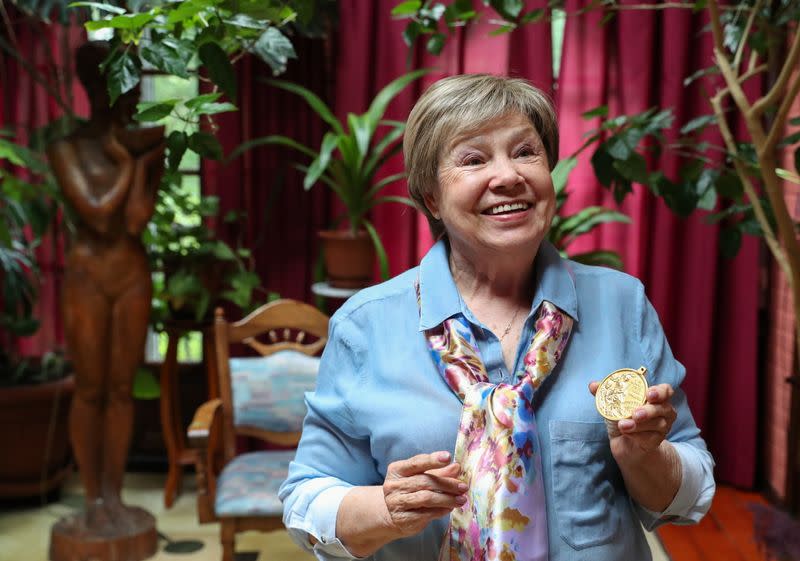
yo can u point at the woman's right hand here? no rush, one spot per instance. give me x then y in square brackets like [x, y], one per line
[421, 489]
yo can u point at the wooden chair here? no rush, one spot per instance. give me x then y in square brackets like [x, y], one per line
[240, 491]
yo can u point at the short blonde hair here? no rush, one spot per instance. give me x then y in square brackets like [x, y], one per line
[455, 106]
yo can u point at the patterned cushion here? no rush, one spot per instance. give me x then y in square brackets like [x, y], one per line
[268, 392]
[248, 485]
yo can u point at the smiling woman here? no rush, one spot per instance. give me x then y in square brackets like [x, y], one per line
[454, 415]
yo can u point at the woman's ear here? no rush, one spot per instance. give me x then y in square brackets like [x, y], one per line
[431, 205]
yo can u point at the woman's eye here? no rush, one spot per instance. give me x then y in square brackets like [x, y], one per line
[525, 152]
[471, 161]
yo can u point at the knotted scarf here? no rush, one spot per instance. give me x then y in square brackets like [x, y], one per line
[505, 517]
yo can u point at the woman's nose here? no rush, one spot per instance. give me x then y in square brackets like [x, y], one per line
[504, 174]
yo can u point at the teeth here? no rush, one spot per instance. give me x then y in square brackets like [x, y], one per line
[508, 208]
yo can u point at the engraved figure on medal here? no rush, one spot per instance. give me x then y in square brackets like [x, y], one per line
[620, 393]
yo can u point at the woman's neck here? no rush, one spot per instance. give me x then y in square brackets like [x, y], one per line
[506, 277]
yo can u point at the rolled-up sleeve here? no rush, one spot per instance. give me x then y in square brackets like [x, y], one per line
[333, 454]
[697, 487]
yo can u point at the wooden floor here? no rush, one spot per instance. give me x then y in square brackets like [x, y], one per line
[725, 534]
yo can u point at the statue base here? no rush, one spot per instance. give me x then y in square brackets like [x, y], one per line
[130, 537]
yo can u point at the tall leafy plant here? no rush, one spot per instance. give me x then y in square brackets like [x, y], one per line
[198, 38]
[350, 156]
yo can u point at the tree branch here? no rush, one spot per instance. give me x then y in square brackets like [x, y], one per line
[743, 41]
[749, 189]
[779, 122]
[789, 65]
[716, 26]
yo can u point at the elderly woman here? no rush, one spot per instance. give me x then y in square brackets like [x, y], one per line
[454, 415]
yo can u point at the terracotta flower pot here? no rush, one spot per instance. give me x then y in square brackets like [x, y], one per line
[349, 259]
[34, 441]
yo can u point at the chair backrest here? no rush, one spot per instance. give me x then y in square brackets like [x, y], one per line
[279, 332]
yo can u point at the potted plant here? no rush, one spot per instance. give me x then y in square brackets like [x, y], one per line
[196, 270]
[348, 161]
[34, 392]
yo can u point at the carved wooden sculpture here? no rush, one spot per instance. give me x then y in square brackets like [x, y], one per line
[109, 174]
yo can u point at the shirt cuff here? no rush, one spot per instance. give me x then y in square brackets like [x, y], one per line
[694, 495]
[320, 522]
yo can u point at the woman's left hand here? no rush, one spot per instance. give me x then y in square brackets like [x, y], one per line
[633, 439]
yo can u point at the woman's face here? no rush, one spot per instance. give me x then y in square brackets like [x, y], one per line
[495, 191]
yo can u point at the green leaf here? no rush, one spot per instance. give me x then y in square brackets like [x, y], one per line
[634, 168]
[205, 144]
[359, 128]
[383, 259]
[795, 121]
[219, 67]
[123, 73]
[787, 175]
[102, 6]
[561, 172]
[313, 101]
[789, 140]
[600, 257]
[169, 55]
[378, 106]
[508, 9]
[698, 123]
[10, 151]
[247, 22]
[274, 48]
[411, 32]
[407, 8]
[435, 44]
[797, 159]
[603, 166]
[269, 140]
[533, 16]
[585, 221]
[329, 143]
[199, 100]
[176, 144]
[222, 251]
[729, 185]
[145, 385]
[600, 111]
[128, 22]
[215, 108]
[154, 110]
[700, 73]
[730, 240]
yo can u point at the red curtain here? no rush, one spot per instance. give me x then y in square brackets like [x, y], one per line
[27, 106]
[708, 305]
[282, 219]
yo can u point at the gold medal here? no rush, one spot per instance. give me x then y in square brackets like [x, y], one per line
[620, 393]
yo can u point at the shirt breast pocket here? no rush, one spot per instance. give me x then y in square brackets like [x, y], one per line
[583, 490]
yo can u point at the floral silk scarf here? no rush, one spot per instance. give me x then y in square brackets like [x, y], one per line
[505, 517]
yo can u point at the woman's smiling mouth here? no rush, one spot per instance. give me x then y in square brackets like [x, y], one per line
[507, 208]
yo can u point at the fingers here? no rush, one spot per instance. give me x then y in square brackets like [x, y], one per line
[650, 417]
[418, 464]
[660, 393]
[426, 482]
[593, 387]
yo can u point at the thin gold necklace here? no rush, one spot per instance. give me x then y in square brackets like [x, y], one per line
[510, 323]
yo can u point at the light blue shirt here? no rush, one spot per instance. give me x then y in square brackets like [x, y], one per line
[380, 398]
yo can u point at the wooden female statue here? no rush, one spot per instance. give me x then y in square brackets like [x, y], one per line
[109, 174]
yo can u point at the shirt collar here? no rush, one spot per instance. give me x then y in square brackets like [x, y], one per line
[439, 298]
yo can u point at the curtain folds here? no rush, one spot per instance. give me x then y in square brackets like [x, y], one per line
[708, 305]
[27, 106]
